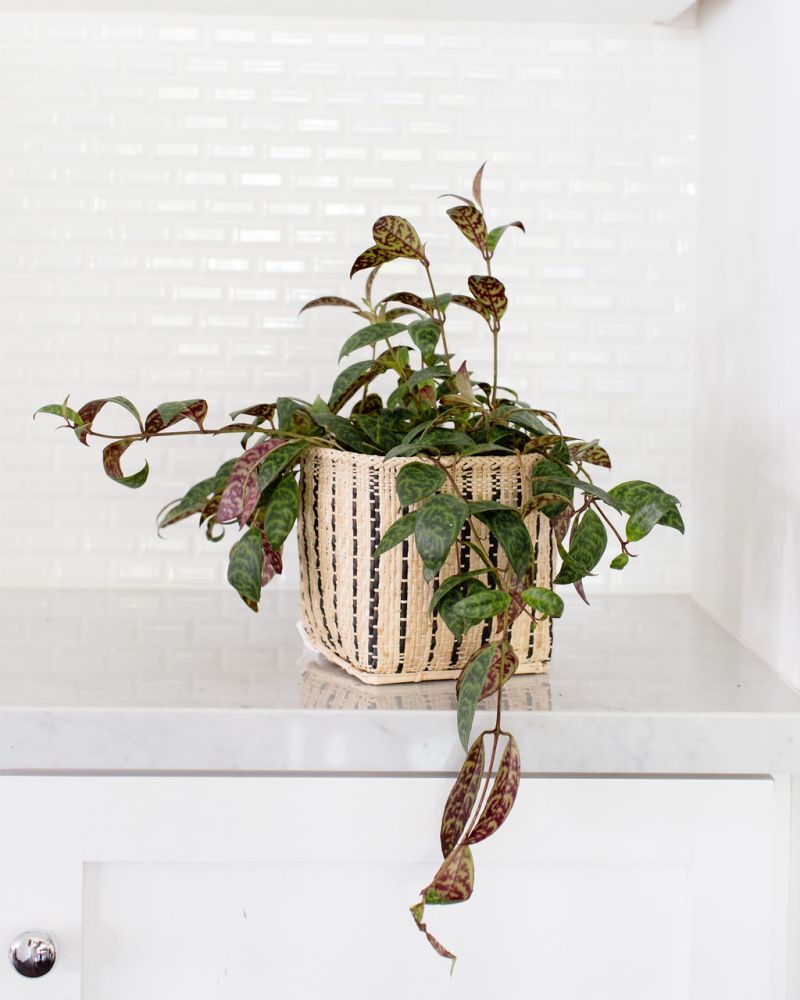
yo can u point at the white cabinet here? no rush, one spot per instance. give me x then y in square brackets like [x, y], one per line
[163, 888]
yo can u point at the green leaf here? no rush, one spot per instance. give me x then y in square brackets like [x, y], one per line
[369, 335]
[112, 453]
[620, 561]
[439, 521]
[493, 238]
[277, 461]
[428, 375]
[61, 410]
[486, 604]
[542, 475]
[350, 380]
[396, 532]
[196, 497]
[241, 492]
[345, 432]
[473, 678]
[417, 481]
[471, 223]
[510, 531]
[502, 796]
[575, 483]
[385, 427]
[587, 545]
[89, 411]
[646, 517]
[544, 600]
[636, 492]
[396, 234]
[440, 439]
[263, 411]
[457, 623]
[526, 419]
[462, 797]
[244, 567]
[281, 510]
[446, 586]
[372, 257]
[425, 334]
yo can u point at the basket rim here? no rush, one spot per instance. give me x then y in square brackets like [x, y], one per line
[356, 458]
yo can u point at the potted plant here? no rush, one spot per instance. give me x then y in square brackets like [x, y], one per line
[429, 522]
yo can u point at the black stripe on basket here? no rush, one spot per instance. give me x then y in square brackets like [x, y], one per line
[536, 534]
[323, 616]
[401, 646]
[334, 600]
[375, 576]
[354, 532]
[464, 553]
[492, 553]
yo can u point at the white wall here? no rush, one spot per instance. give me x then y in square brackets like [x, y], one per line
[174, 187]
[746, 470]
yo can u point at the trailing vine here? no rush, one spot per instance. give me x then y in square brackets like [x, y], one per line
[436, 413]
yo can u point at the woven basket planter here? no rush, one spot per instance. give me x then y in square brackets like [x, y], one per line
[370, 615]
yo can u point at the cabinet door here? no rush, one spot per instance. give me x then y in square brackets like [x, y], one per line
[237, 887]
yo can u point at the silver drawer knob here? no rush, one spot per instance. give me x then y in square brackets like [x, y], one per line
[33, 954]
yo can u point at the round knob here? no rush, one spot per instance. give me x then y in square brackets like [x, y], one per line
[33, 954]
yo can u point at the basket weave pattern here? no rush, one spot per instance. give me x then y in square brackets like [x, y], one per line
[371, 615]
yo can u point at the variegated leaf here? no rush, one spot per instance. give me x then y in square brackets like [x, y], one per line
[490, 293]
[89, 411]
[61, 410]
[454, 881]
[494, 235]
[273, 562]
[417, 912]
[462, 797]
[502, 796]
[245, 563]
[408, 299]
[281, 510]
[329, 300]
[231, 502]
[578, 585]
[397, 235]
[590, 452]
[278, 461]
[372, 257]
[369, 335]
[167, 414]
[471, 223]
[587, 545]
[473, 304]
[112, 453]
[472, 680]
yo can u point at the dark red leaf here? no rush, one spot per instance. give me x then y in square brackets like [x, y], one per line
[502, 796]
[167, 414]
[328, 300]
[462, 797]
[232, 501]
[490, 293]
[397, 235]
[471, 223]
[476, 185]
[372, 257]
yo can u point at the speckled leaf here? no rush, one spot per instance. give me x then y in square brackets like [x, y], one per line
[276, 463]
[345, 432]
[372, 257]
[273, 562]
[542, 484]
[417, 912]
[112, 453]
[417, 481]
[454, 881]
[89, 411]
[502, 796]
[471, 684]
[493, 238]
[349, 381]
[490, 293]
[428, 374]
[551, 501]
[396, 532]
[439, 521]
[195, 500]
[408, 299]
[329, 300]
[462, 797]
[552, 482]
[457, 623]
[471, 223]
[503, 666]
[486, 604]
[587, 545]
[244, 567]
[167, 414]
[369, 335]
[510, 531]
[61, 410]
[469, 303]
[448, 585]
[524, 417]
[440, 440]
[545, 600]
[231, 501]
[263, 411]
[592, 453]
[396, 234]
[281, 510]
[620, 561]
[633, 494]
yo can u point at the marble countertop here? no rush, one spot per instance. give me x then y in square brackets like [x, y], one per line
[175, 681]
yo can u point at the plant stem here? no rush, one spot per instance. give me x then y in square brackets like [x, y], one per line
[440, 311]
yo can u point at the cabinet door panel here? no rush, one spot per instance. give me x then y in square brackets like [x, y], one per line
[233, 887]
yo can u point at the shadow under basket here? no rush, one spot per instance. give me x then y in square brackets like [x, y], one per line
[370, 616]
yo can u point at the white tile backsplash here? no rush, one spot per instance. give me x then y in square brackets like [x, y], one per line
[174, 187]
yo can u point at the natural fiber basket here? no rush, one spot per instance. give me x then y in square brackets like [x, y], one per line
[371, 615]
